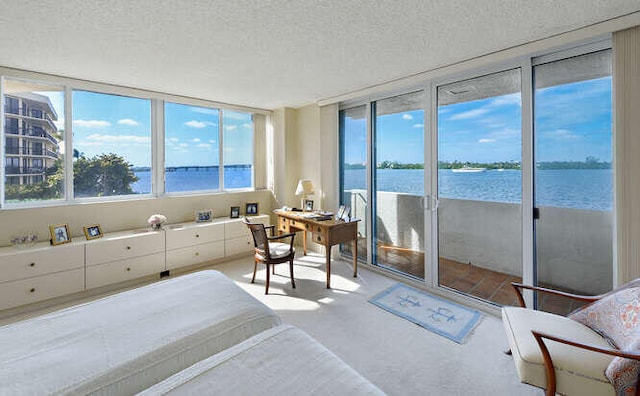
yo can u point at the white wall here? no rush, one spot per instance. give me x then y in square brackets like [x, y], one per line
[121, 215]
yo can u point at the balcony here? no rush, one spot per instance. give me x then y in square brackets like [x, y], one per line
[17, 171]
[31, 152]
[480, 245]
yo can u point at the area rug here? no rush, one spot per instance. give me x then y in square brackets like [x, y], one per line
[441, 316]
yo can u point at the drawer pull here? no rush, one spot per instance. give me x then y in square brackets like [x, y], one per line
[197, 236]
[197, 253]
[319, 239]
[33, 289]
[128, 268]
[32, 264]
[319, 229]
[128, 247]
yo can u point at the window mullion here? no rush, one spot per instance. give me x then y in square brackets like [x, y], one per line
[68, 143]
[220, 150]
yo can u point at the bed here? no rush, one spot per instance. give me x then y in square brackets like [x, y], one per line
[280, 361]
[127, 342]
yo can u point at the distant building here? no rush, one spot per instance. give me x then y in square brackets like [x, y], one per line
[31, 145]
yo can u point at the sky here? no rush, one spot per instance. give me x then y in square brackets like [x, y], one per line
[572, 121]
[117, 124]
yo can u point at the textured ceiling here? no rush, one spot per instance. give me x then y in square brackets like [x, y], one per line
[273, 53]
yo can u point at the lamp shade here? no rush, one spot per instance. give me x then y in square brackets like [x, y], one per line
[305, 187]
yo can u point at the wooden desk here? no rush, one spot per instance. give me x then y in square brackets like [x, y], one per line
[326, 233]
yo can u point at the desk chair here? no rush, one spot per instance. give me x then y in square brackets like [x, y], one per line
[269, 252]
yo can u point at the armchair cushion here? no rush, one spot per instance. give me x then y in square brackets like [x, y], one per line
[578, 371]
[279, 249]
[616, 317]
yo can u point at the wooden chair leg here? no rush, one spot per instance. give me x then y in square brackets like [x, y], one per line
[255, 268]
[266, 288]
[293, 282]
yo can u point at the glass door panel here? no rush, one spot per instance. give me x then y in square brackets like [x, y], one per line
[399, 184]
[573, 177]
[480, 186]
[353, 175]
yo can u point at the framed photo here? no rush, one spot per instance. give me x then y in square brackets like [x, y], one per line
[92, 231]
[59, 234]
[346, 215]
[308, 205]
[235, 212]
[204, 216]
[251, 208]
[340, 212]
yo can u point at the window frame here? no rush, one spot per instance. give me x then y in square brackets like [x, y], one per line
[157, 99]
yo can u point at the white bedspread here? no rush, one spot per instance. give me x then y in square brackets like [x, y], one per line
[281, 361]
[127, 342]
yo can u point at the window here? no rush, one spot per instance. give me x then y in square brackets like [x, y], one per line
[192, 153]
[24, 181]
[109, 139]
[111, 145]
[238, 149]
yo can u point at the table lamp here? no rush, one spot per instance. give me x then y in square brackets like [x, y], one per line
[305, 188]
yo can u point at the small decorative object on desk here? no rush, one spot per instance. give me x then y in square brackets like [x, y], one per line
[156, 221]
[24, 241]
[308, 205]
[235, 212]
[204, 216]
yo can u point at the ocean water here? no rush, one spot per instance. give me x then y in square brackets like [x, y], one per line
[568, 188]
[195, 180]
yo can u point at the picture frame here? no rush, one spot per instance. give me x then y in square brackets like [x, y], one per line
[203, 215]
[59, 234]
[308, 205]
[93, 231]
[235, 212]
[340, 212]
[346, 215]
[251, 208]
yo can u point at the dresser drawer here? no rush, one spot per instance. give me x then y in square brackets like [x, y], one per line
[195, 254]
[25, 264]
[124, 247]
[179, 237]
[241, 245]
[39, 288]
[237, 228]
[124, 270]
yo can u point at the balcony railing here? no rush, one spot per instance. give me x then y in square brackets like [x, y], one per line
[30, 151]
[14, 171]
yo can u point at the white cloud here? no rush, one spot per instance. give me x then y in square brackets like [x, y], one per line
[128, 121]
[195, 124]
[236, 116]
[212, 141]
[247, 125]
[564, 134]
[183, 145]
[203, 110]
[231, 127]
[486, 140]
[469, 114]
[407, 117]
[91, 123]
[196, 140]
[96, 137]
[504, 100]
[204, 145]
[174, 139]
[418, 125]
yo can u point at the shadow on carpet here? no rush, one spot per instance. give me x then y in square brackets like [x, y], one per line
[443, 317]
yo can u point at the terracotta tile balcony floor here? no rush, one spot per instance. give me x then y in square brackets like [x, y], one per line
[478, 282]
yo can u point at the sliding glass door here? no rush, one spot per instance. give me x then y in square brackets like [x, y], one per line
[398, 184]
[573, 177]
[479, 175]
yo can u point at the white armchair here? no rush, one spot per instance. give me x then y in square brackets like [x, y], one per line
[563, 355]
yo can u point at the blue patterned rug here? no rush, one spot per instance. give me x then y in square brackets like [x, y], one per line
[441, 316]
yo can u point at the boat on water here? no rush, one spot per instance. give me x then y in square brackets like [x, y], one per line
[468, 169]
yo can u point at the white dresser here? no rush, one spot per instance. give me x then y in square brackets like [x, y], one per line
[40, 273]
[123, 256]
[193, 243]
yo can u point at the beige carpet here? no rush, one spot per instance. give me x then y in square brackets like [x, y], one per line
[399, 357]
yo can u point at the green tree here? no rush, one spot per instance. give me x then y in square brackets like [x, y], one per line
[102, 175]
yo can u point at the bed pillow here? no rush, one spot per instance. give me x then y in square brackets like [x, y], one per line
[623, 374]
